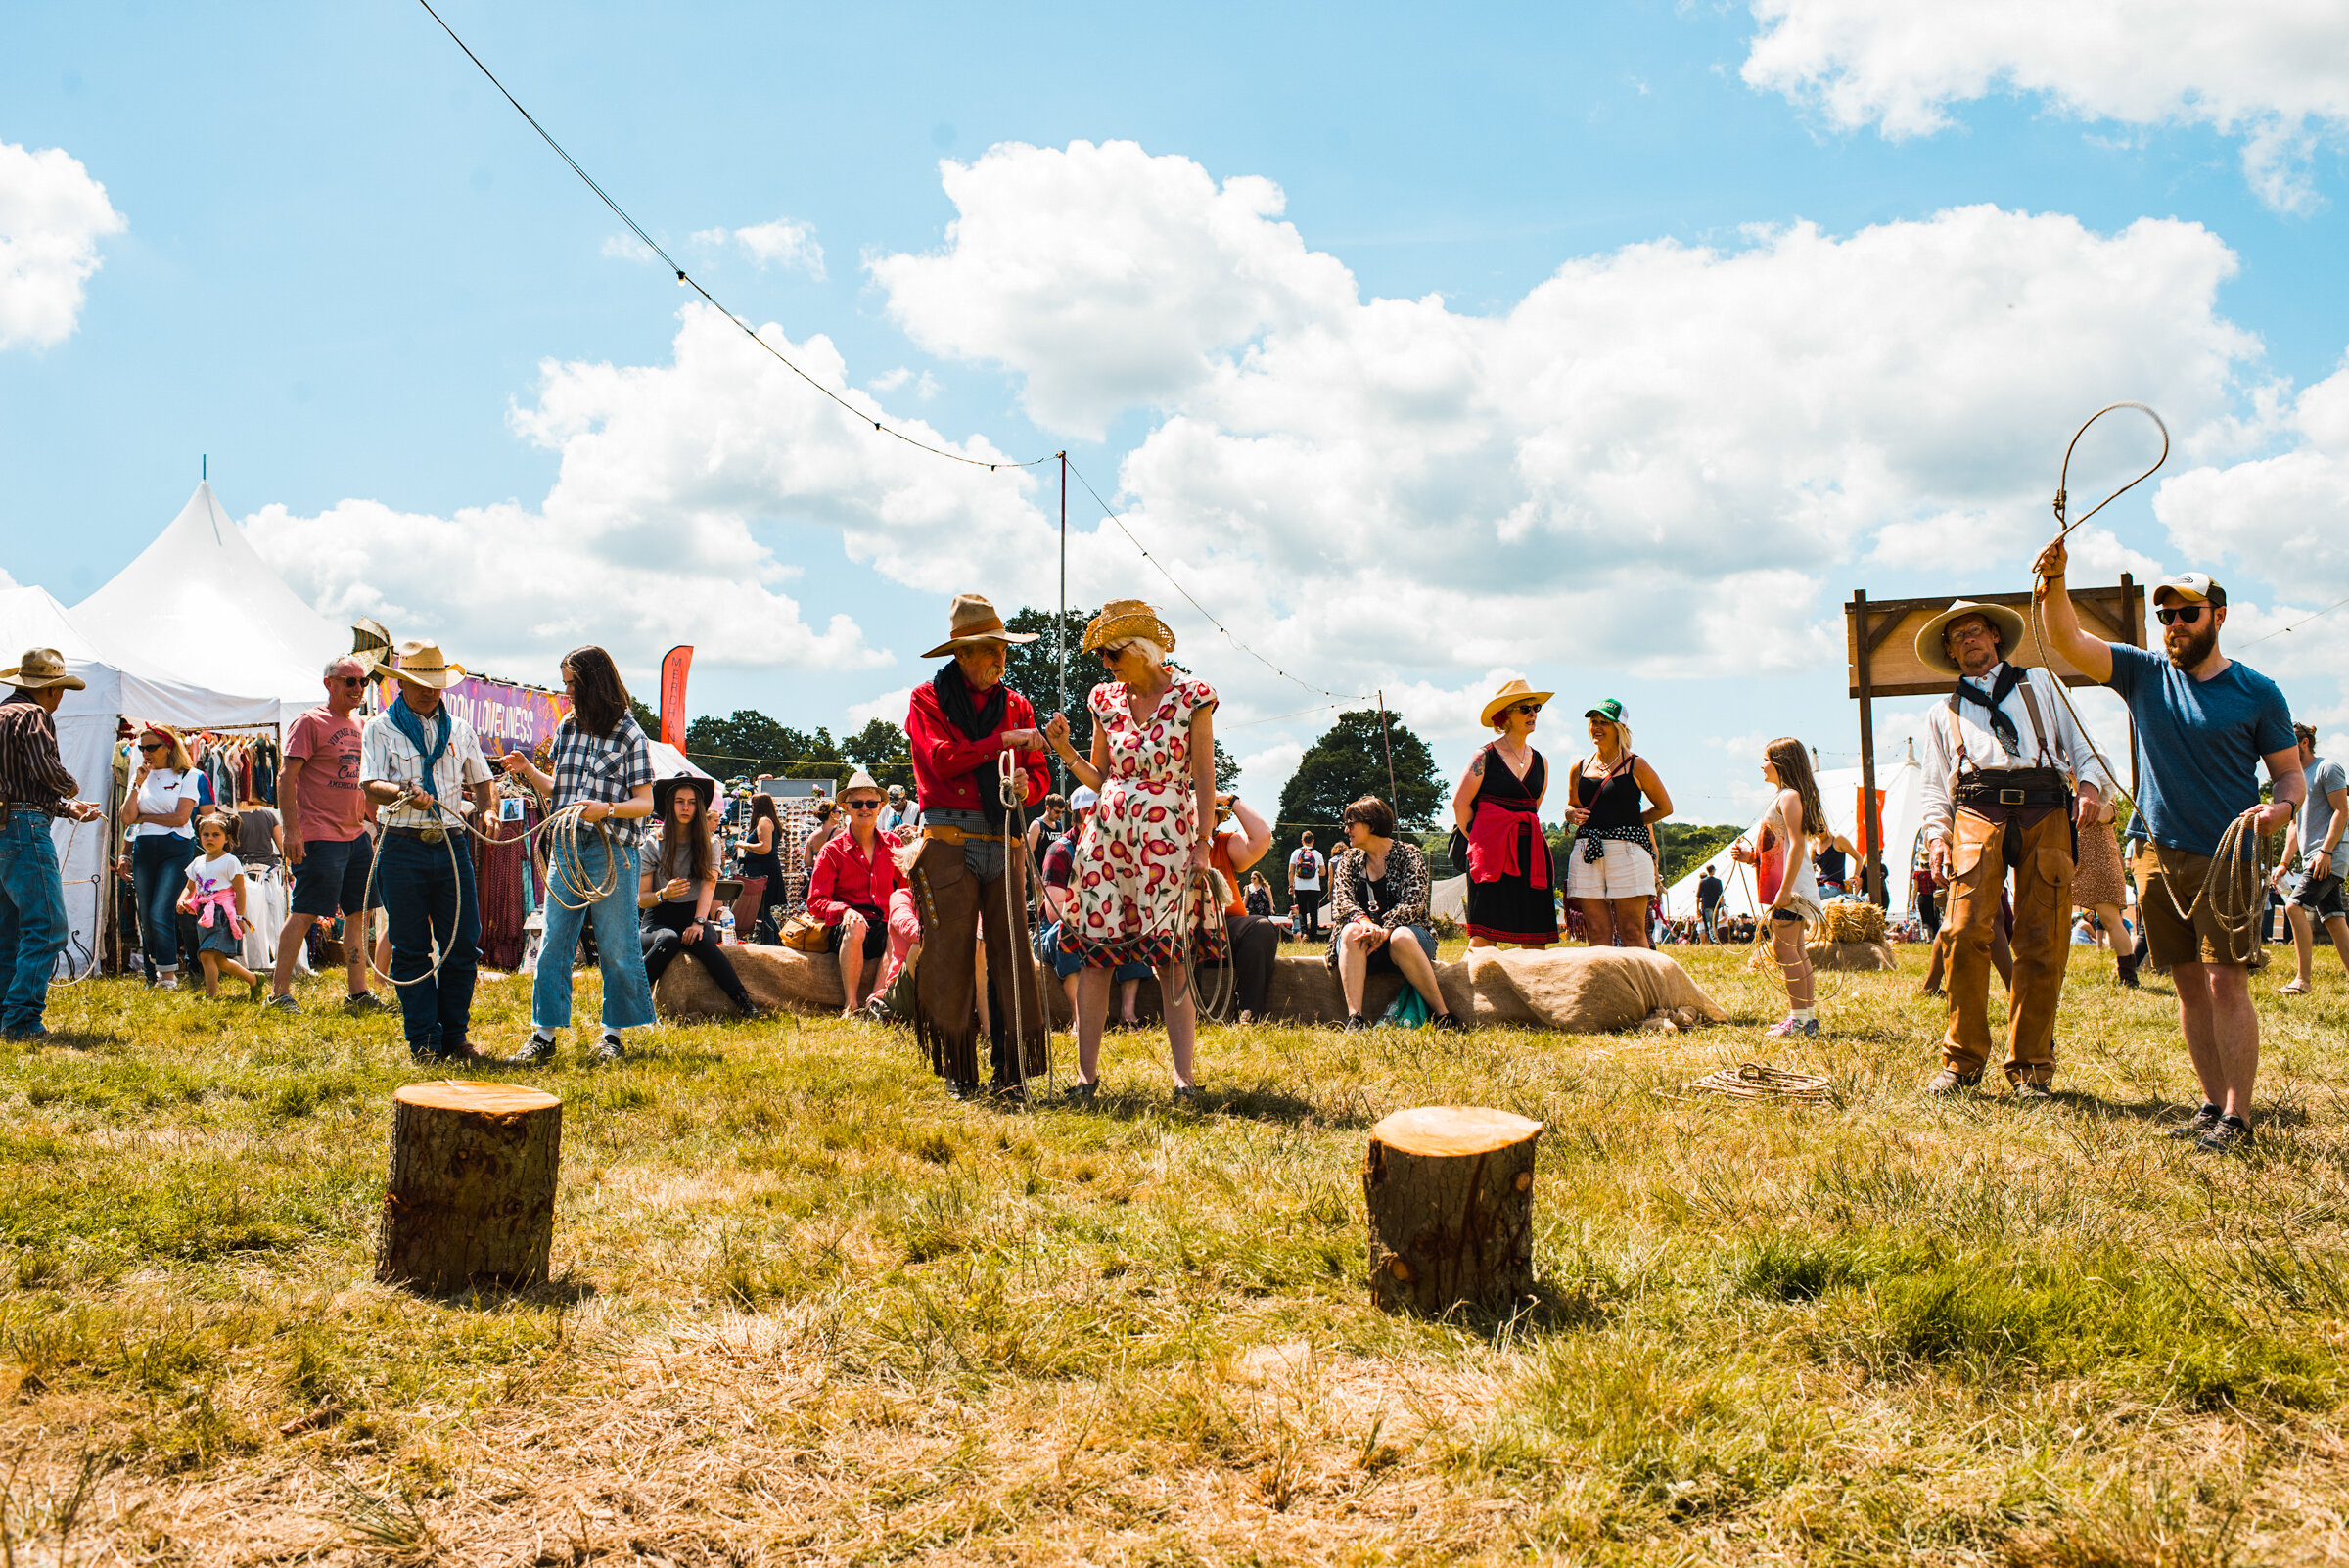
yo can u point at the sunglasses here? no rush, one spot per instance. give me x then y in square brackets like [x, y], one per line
[864, 806]
[1527, 709]
[153, 746]
[350, 681]
[2179, 614]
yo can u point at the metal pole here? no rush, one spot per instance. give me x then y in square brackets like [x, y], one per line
[1389, 744]
[1868, 750]
[1060, 623]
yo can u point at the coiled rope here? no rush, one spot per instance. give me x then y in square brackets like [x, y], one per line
[1011, 788]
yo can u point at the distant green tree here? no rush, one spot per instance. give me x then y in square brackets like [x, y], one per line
[1687, 846]
[646, 719]
[1227, 767]
[1032, 670]
[748, 743]
[1348, 762]
[880, 749]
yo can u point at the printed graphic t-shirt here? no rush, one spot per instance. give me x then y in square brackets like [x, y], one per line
[327, 802]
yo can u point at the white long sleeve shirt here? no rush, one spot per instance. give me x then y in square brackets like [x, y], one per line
[2066, 750]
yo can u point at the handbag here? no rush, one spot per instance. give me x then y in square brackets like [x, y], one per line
[804, 932]
[1408, 1009]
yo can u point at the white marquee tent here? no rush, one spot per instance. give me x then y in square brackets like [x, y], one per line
[1902, 785]
[200, 603]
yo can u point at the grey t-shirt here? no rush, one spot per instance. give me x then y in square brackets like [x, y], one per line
[2316, 816]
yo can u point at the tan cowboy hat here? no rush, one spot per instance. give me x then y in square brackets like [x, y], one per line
[1933, 656]
[423, 663]
[973, 620]
[861, 780]
[1122, 620]
[39, 670]
[1510, 695]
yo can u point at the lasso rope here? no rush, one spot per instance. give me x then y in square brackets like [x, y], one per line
[1758, 1080]
[1011, 788]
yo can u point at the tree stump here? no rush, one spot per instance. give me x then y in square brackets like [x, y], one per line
[1450, 1190]
[472, 1193]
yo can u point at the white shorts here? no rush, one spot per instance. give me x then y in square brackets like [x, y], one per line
[1625, 871]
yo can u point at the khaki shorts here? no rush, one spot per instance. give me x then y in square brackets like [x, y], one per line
[2163, 872]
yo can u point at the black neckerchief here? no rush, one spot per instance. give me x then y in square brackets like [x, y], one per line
[977, 721]
[2001, 725]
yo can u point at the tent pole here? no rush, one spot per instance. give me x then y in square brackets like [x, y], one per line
[1867, 750]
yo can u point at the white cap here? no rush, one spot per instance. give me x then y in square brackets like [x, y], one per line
[1082, 800]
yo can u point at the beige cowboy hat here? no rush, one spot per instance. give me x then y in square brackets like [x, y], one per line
[973, 620]
[1122, 620]
[1510, 695]
[1933, 656]
[39, 670]
[423, 663]
[861, 780]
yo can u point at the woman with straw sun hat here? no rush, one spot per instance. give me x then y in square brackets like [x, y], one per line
[1154, 764]
[1498, 809]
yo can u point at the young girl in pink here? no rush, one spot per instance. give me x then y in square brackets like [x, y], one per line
[215, 897]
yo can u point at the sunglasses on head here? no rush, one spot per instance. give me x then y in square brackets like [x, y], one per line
[2172, 614]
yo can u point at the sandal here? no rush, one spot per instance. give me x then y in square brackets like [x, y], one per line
[2293, 987]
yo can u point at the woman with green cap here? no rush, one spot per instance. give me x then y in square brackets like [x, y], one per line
[1612, 799]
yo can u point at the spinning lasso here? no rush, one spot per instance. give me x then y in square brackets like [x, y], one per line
[2239, 869]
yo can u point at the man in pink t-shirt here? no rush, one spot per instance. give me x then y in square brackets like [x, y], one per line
[326, 841]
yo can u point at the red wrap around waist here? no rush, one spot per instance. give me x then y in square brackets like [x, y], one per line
[1495, 843]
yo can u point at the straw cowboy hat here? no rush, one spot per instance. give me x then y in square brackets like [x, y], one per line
[665, 790]
[861, 780]
[1933, 656]
[1510, 695]
[971, 621]
[423, 663]
[1122, 620]
[39, 670]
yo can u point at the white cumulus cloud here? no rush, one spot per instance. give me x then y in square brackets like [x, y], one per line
[52, 216]
[2282, 517]
[782, 243]
[2275, 73]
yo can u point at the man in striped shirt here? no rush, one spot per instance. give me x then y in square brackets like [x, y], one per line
[34, 789]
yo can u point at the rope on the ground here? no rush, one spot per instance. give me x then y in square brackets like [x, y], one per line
[1758, 1080]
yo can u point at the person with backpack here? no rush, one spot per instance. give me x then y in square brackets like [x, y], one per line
[1306, 870]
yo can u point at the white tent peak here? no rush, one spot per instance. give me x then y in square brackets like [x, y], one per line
[202, 603]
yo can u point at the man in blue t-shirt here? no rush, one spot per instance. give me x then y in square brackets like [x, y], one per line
[2204, 724]
[2316, 842]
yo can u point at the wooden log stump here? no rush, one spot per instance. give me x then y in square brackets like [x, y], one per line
[472, 1193]
[1450, 1190]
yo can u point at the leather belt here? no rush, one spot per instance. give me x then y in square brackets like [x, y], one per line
[429, 835]
[2013, 787]
[954, 835]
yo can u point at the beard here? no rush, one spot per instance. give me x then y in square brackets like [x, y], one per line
[2189, 646]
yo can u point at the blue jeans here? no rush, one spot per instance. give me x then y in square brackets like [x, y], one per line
[424, 902]
[33, 918]
[159, 874]
[628, 995]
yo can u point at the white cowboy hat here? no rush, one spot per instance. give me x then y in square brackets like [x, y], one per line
[1933, 656]
[423, 663]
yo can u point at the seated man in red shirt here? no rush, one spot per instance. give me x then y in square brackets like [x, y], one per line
[971, 873]
[855, 875]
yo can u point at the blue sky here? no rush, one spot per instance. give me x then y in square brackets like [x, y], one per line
[342, 262]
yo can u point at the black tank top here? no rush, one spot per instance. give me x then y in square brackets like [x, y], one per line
[1501, 786]
[1613, 800]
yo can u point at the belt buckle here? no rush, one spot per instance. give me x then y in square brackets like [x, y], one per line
[431, 835]
[2010, 797]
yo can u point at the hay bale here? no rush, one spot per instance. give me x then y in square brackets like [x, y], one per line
[1852, 955]
[1850, 922]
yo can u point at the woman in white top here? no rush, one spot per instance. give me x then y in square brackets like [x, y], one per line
[1795, 819]
[163, 792]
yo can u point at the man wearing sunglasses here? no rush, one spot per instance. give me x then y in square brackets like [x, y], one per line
[2204, 726]
[327, 842]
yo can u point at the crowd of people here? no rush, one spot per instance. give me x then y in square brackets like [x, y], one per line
[1145, 869]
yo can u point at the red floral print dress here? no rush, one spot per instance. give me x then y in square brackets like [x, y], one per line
[1133, 862]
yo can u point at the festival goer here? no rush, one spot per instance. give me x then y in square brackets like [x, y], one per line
[34, 789]
[1795, 817]
[1253, 942]
[1708, 905]
[762, 868]
[827, 823]
[1259, 896]
[213, 897]
[1498, 808]
[1378, 893]
[260, 848]
[418, 765]
[327, 839]
[2101, 885]
[1833, 863]
[970, 875]
[1045, 828]
[2002, 758]
[602, 763]
[1306, 867]
[2205, 725]
[1928, 904]
[1059, 878]
[1611, 868]
[1153, 764]
[850, 888]
[677, 884]
[2314, 842]
[161, 819]
[898, 816]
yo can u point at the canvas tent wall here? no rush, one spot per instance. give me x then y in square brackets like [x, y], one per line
[86, 721]
[1903, 820]
[200, 603]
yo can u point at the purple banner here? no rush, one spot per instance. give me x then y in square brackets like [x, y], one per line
[503, 716]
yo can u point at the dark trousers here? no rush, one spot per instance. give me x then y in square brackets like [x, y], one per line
[1255, 945]
[33, 919]
[427, 900]
[1309, 913]
[159, 874]
[661, 934]
[1928, 911]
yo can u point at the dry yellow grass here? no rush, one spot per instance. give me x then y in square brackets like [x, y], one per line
[808, 1311]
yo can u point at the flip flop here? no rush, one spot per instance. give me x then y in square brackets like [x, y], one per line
[2293, 987]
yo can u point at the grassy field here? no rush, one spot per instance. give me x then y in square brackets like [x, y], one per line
[808, 1310]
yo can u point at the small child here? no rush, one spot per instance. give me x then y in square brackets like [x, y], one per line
[1794, 819]
[215, 897]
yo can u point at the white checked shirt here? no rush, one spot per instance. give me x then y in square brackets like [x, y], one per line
[386, 754]
[2066, 748]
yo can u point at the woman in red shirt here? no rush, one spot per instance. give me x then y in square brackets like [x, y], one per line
[850, 888]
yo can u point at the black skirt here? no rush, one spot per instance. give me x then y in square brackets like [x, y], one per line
[1510, 908]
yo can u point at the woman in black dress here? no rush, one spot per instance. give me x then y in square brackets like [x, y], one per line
[1498, 814]
[761, 870]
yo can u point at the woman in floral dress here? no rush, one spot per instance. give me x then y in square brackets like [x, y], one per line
[1153, 763]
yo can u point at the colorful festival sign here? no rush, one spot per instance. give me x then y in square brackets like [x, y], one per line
[673, 668]
[522, 718]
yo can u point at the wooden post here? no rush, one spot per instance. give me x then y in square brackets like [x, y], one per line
[1862, 644]
[1451, 1193]
[2133, 626]
[472, 1190]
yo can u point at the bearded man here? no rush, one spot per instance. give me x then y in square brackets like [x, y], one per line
[2008, 776]
[969, 869]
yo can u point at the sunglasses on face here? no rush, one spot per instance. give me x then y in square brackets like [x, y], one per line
[2179, 614]
[153, 746]
[1527, 709]
[864, 806]
[350, 680]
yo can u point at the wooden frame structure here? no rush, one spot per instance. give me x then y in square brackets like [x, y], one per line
[1879, 646]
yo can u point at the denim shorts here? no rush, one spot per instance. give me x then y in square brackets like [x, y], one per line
[332, 878]
[1381, 958]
